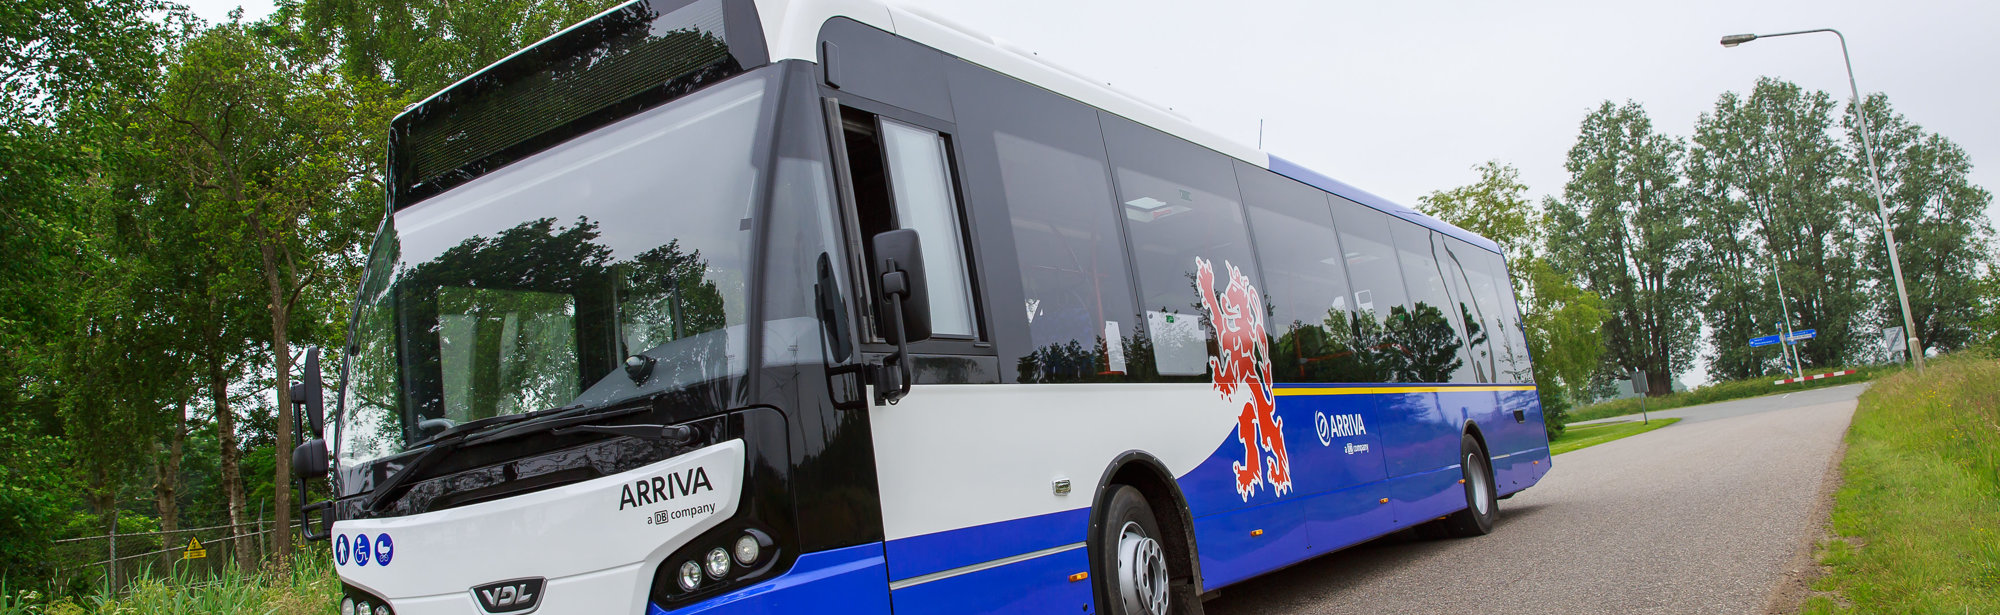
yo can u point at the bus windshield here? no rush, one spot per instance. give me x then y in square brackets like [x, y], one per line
[534, 286]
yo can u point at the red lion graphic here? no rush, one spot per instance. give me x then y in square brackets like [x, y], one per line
[1242, 363]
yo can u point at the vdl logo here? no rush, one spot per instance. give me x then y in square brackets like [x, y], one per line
[515, 597]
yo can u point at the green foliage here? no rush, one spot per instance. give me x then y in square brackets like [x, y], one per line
[308, 586]
[1623, 228]
[1562, 322]
[1939, 217]
[1917, 527]
[1587, 436]
[422, 46]
[35, 499]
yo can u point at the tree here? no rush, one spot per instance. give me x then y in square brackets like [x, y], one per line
[1496, 207]
[421, 46]
[1940, 222]
[280, 151]
[1763, 178]
[1623, 227]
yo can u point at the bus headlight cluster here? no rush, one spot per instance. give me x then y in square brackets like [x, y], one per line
[745, 552]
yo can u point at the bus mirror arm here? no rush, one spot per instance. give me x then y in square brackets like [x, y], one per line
[892, 378]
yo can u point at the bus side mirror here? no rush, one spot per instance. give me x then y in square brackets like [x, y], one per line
[899, 257]
[309, 460]
[309, 397]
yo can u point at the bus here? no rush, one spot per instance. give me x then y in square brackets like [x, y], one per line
[831, 306]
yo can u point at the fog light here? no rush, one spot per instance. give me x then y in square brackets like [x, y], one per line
[346, 606]
[690, 576]
[381, 609]
[747, 550]
[718, 562]
[361, 607]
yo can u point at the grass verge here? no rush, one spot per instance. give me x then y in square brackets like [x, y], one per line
[310, 587]
[1725, 391]
[1592, 435]
[1917, 519]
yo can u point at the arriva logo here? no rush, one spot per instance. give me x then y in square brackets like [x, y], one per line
[1242, 369]
[1339, 426]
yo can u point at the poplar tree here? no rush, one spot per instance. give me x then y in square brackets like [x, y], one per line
[1942, 231]
[1623, 227]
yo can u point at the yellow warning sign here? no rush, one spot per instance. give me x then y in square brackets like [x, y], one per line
[194, 550]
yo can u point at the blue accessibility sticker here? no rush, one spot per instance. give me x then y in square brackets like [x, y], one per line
[360, 549]
[340, 549]
[384, 549]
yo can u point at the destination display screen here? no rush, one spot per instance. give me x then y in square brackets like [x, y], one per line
[622, 62]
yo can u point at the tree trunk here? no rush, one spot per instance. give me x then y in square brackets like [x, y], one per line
[167, 483]
[281, 481]
[232, 456]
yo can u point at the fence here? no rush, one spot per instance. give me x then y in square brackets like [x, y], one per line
[112, 559]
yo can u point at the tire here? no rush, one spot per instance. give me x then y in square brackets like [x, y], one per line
[1133, 561]
[1482, 502]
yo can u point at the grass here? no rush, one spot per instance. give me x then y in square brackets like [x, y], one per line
[309, 587]
[1593, 435]
[1725, 391]
[1917, 519]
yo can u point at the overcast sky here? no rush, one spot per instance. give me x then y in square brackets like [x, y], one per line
[1403, 98]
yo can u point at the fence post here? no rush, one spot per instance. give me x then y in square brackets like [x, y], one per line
[111, 564]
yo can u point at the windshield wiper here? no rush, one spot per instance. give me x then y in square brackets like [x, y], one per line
[476, 432]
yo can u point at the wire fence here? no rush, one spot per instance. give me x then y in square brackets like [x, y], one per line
[112, 559]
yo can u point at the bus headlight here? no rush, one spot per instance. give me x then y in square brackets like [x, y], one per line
[718, 562]
[346, 606]
[381, 609]
[690, 576]
[747, 550]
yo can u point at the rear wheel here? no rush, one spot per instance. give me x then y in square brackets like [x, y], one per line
[1482, 502]
[1132, 558]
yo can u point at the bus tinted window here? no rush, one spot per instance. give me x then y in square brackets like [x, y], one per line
[1376, 279]
[1428, 335]
[1073, 278]
[1454, 258]
[1305, 283]
[1513, 335]
[1180, 207]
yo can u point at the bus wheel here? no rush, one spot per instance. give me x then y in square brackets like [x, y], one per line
[1130, 551]
[1482, 503]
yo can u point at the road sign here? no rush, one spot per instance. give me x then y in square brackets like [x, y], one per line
[194, 550]
[1763, 341]
[1892, 341]
[1801, 335]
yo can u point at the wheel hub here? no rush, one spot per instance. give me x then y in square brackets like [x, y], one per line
[1142, 572]
[1481, 491]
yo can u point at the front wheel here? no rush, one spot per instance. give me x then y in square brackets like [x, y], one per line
[1482, 502]
[1132, 558]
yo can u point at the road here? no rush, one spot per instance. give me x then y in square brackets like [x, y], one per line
[1705, 516]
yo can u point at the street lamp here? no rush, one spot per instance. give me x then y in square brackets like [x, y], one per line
[1875, 178]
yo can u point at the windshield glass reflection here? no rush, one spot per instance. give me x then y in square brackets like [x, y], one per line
[528, 288]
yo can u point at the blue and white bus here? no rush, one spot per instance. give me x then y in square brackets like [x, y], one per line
[827, 306]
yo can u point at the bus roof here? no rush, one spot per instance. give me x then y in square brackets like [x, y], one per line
[791, 31]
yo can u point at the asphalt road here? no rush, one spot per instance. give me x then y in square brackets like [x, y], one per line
[1704, 516]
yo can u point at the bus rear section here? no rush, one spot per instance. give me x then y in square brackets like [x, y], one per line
[721, 306]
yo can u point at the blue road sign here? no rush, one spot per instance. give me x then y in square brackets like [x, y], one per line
[1801, 335]
[1763, 341]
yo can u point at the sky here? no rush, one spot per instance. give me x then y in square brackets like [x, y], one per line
[1404, 98]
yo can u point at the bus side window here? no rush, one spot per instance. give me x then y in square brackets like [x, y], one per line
[1378, 287]
[1306, 287]
[1179, 202]
[901, 177]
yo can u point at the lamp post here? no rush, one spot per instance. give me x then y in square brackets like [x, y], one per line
[1875, 179]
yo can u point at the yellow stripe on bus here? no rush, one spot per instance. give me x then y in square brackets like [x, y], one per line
[1386, 390]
